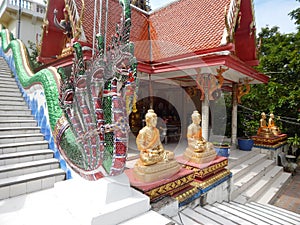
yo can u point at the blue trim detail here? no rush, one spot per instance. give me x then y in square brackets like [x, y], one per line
[203, 191]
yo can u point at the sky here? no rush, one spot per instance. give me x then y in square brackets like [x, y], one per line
[267, 12]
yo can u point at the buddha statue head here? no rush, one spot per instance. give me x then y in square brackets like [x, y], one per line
[196, 117]
[151, 118]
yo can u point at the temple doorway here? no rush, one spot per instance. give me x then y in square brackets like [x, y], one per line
[168, 119]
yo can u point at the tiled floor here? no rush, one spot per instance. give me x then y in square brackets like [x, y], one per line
[290, 198]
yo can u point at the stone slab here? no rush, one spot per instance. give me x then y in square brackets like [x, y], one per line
[218, 159]
[109, 200]
[206, 169]
[161, 188]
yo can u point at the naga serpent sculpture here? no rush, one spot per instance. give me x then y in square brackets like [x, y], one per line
[87, 109]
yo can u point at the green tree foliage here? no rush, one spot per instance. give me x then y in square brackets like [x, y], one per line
[279, 56]
[295, 15]
[33, 55]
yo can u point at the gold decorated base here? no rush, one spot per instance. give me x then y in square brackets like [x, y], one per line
[203, 171]
[158, 171]
[272, 142]
[178, 183]
[199, 157]
[211, 180]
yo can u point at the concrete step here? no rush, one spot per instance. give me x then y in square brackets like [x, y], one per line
[231, 213]
[237, 157]
[5, 71]
[7, 78]
[23, 146]
[260, 187]
[14, 186]
[152, 216]
[15, 94]
[10, 81]
[26, 156]
[19, 130]
[12, 85]
[267, 215]
[244, 210]
[16, 117]
[244, 167]
[276, 209]
[234, 218]
[8, 88]
[182, 219]
[5, 139]
[13, 107]
[275, 189]
[252, 176]
[20, 101]
[195, 216]
[279, 216]
[14, 112]
[213, 216]
[18, 169]
[4, 67]
[239, 213]
[17, 123]
[9, 98]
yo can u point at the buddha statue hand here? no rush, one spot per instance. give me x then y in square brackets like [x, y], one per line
[197, 145]
[150, 157]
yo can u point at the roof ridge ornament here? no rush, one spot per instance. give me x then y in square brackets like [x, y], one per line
[232, 19]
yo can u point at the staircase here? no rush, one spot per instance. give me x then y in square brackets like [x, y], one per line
[26, 163]
[233, 213]
[255, 178]
[257, 181]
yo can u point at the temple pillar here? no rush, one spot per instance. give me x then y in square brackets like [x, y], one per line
[234, 115]
[205, 117]
[184, 115]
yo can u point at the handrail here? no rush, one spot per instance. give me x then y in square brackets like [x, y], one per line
[28, 5]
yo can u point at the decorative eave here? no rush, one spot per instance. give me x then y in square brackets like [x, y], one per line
[222, 56]
[167, 63]
[208, 60]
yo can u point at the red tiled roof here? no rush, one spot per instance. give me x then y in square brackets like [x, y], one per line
[183, 27]
[187, 26]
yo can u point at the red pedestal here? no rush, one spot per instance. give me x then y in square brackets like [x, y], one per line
[205, 170]
[170, 186]
[271, 142]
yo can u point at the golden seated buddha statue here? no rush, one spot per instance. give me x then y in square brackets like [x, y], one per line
[272, 127]
[155, 162]
[199, 150]
[263, 129]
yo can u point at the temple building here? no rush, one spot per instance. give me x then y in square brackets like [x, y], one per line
[115, 73]
[188, 53]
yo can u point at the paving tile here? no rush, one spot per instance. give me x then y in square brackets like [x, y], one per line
[290, 197]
